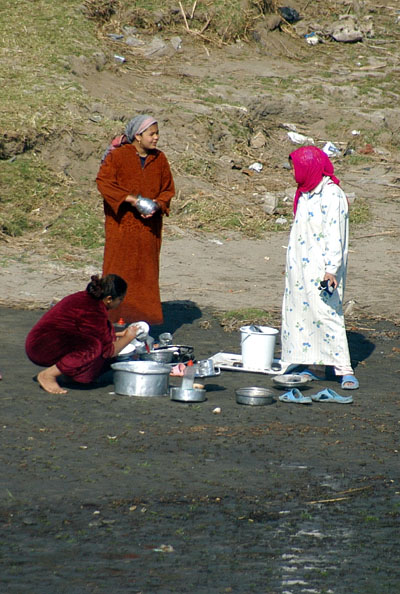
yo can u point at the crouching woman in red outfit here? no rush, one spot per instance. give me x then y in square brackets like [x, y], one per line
[75, 338]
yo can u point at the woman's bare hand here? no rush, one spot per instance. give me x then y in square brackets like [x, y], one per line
[124, 338]
[331, 278]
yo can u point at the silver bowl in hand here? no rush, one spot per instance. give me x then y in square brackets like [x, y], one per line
[146, 206]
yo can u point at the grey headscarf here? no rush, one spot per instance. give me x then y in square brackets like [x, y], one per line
[138, 125]
[135, 126]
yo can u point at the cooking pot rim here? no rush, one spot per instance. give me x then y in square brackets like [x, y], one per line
[141, 367]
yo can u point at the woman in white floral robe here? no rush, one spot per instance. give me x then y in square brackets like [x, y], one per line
[313, 329]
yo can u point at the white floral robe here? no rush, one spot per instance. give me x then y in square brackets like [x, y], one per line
[313, 330]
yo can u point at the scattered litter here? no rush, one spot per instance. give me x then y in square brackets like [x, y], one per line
[83, 447]
[115, 36]
[217, 241]
[217, 411]
[256, 167]
[164, 549]
[300, 138]
[288, 126]
[356, 132]
[367, 150]
[281, 221]
[312, 38]
[95, 118]
[133, 507]
[289, 14]
[119, 59]
[331, 150]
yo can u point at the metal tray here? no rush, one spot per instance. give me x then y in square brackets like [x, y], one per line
[290, 380]
[233, 362]
[254, 396]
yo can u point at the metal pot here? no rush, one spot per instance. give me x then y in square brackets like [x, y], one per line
[141, 378]
[254, 396]
[182, 354]
[163, 356]
[146, 206]
[187, 395]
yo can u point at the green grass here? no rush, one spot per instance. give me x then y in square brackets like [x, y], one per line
[231, 321]
[360, 212]
[36, 199]
[30, 194]
[81, 225]
[36, 90]
[41, 100]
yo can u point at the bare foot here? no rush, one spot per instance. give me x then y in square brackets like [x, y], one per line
[48, 380]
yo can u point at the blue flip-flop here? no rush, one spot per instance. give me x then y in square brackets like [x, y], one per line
[350, 379]
[294, 395]
[309, 374]
[329, 395]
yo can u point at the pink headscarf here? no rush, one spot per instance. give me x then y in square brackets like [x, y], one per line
[310, 164]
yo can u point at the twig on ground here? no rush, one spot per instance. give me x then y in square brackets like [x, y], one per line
[347, 493]
[193, 10]
[184, 17]
[206, 25]
[377, 234]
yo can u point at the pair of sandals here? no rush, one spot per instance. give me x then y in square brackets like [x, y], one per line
[349, 382]
[326, 395]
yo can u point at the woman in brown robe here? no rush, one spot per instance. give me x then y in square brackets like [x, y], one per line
[133, 168]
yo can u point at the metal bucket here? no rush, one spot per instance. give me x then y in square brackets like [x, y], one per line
[141, 378]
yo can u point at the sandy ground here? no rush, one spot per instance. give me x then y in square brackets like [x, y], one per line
[224, 274]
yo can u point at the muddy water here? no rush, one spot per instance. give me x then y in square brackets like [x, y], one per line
[103, 493]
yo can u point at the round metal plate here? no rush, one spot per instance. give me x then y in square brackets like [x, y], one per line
[290, 380]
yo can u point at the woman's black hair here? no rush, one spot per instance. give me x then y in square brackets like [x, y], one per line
[110, 285]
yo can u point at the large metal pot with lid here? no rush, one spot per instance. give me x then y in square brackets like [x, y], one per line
[141, 378]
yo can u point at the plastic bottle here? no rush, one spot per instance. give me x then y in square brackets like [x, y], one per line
[120, 325]
[188, 376]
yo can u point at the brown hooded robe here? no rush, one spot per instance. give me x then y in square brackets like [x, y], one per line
[132, 244]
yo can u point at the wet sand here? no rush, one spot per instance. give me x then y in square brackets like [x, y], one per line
[108, 493]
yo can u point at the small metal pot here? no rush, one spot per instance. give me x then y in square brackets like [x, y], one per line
[146, 206]
[254, 396]
[141, 378]
[187, 395]
[182, 354]
[163, 356]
